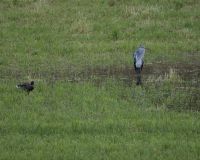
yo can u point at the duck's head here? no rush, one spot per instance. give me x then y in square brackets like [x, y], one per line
[32, 82]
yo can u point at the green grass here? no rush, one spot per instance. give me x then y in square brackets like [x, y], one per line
[54, 42]
[75, 121]
[94, 33]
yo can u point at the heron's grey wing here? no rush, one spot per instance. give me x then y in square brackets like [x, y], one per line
[139, 54]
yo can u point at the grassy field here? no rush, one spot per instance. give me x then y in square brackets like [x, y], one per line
[84, 105]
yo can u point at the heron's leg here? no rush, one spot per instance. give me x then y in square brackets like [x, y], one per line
[138, 76]
[138, 79]
[142, 65]
[135, 66]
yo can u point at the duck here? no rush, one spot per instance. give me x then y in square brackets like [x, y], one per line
[28, 87]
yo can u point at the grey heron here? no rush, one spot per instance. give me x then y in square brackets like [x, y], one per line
[138, 57]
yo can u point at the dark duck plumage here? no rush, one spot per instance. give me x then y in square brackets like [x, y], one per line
[26, 86]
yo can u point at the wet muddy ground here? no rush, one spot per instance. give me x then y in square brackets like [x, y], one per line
[188, 72]
[151, 74]
[189, 85]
